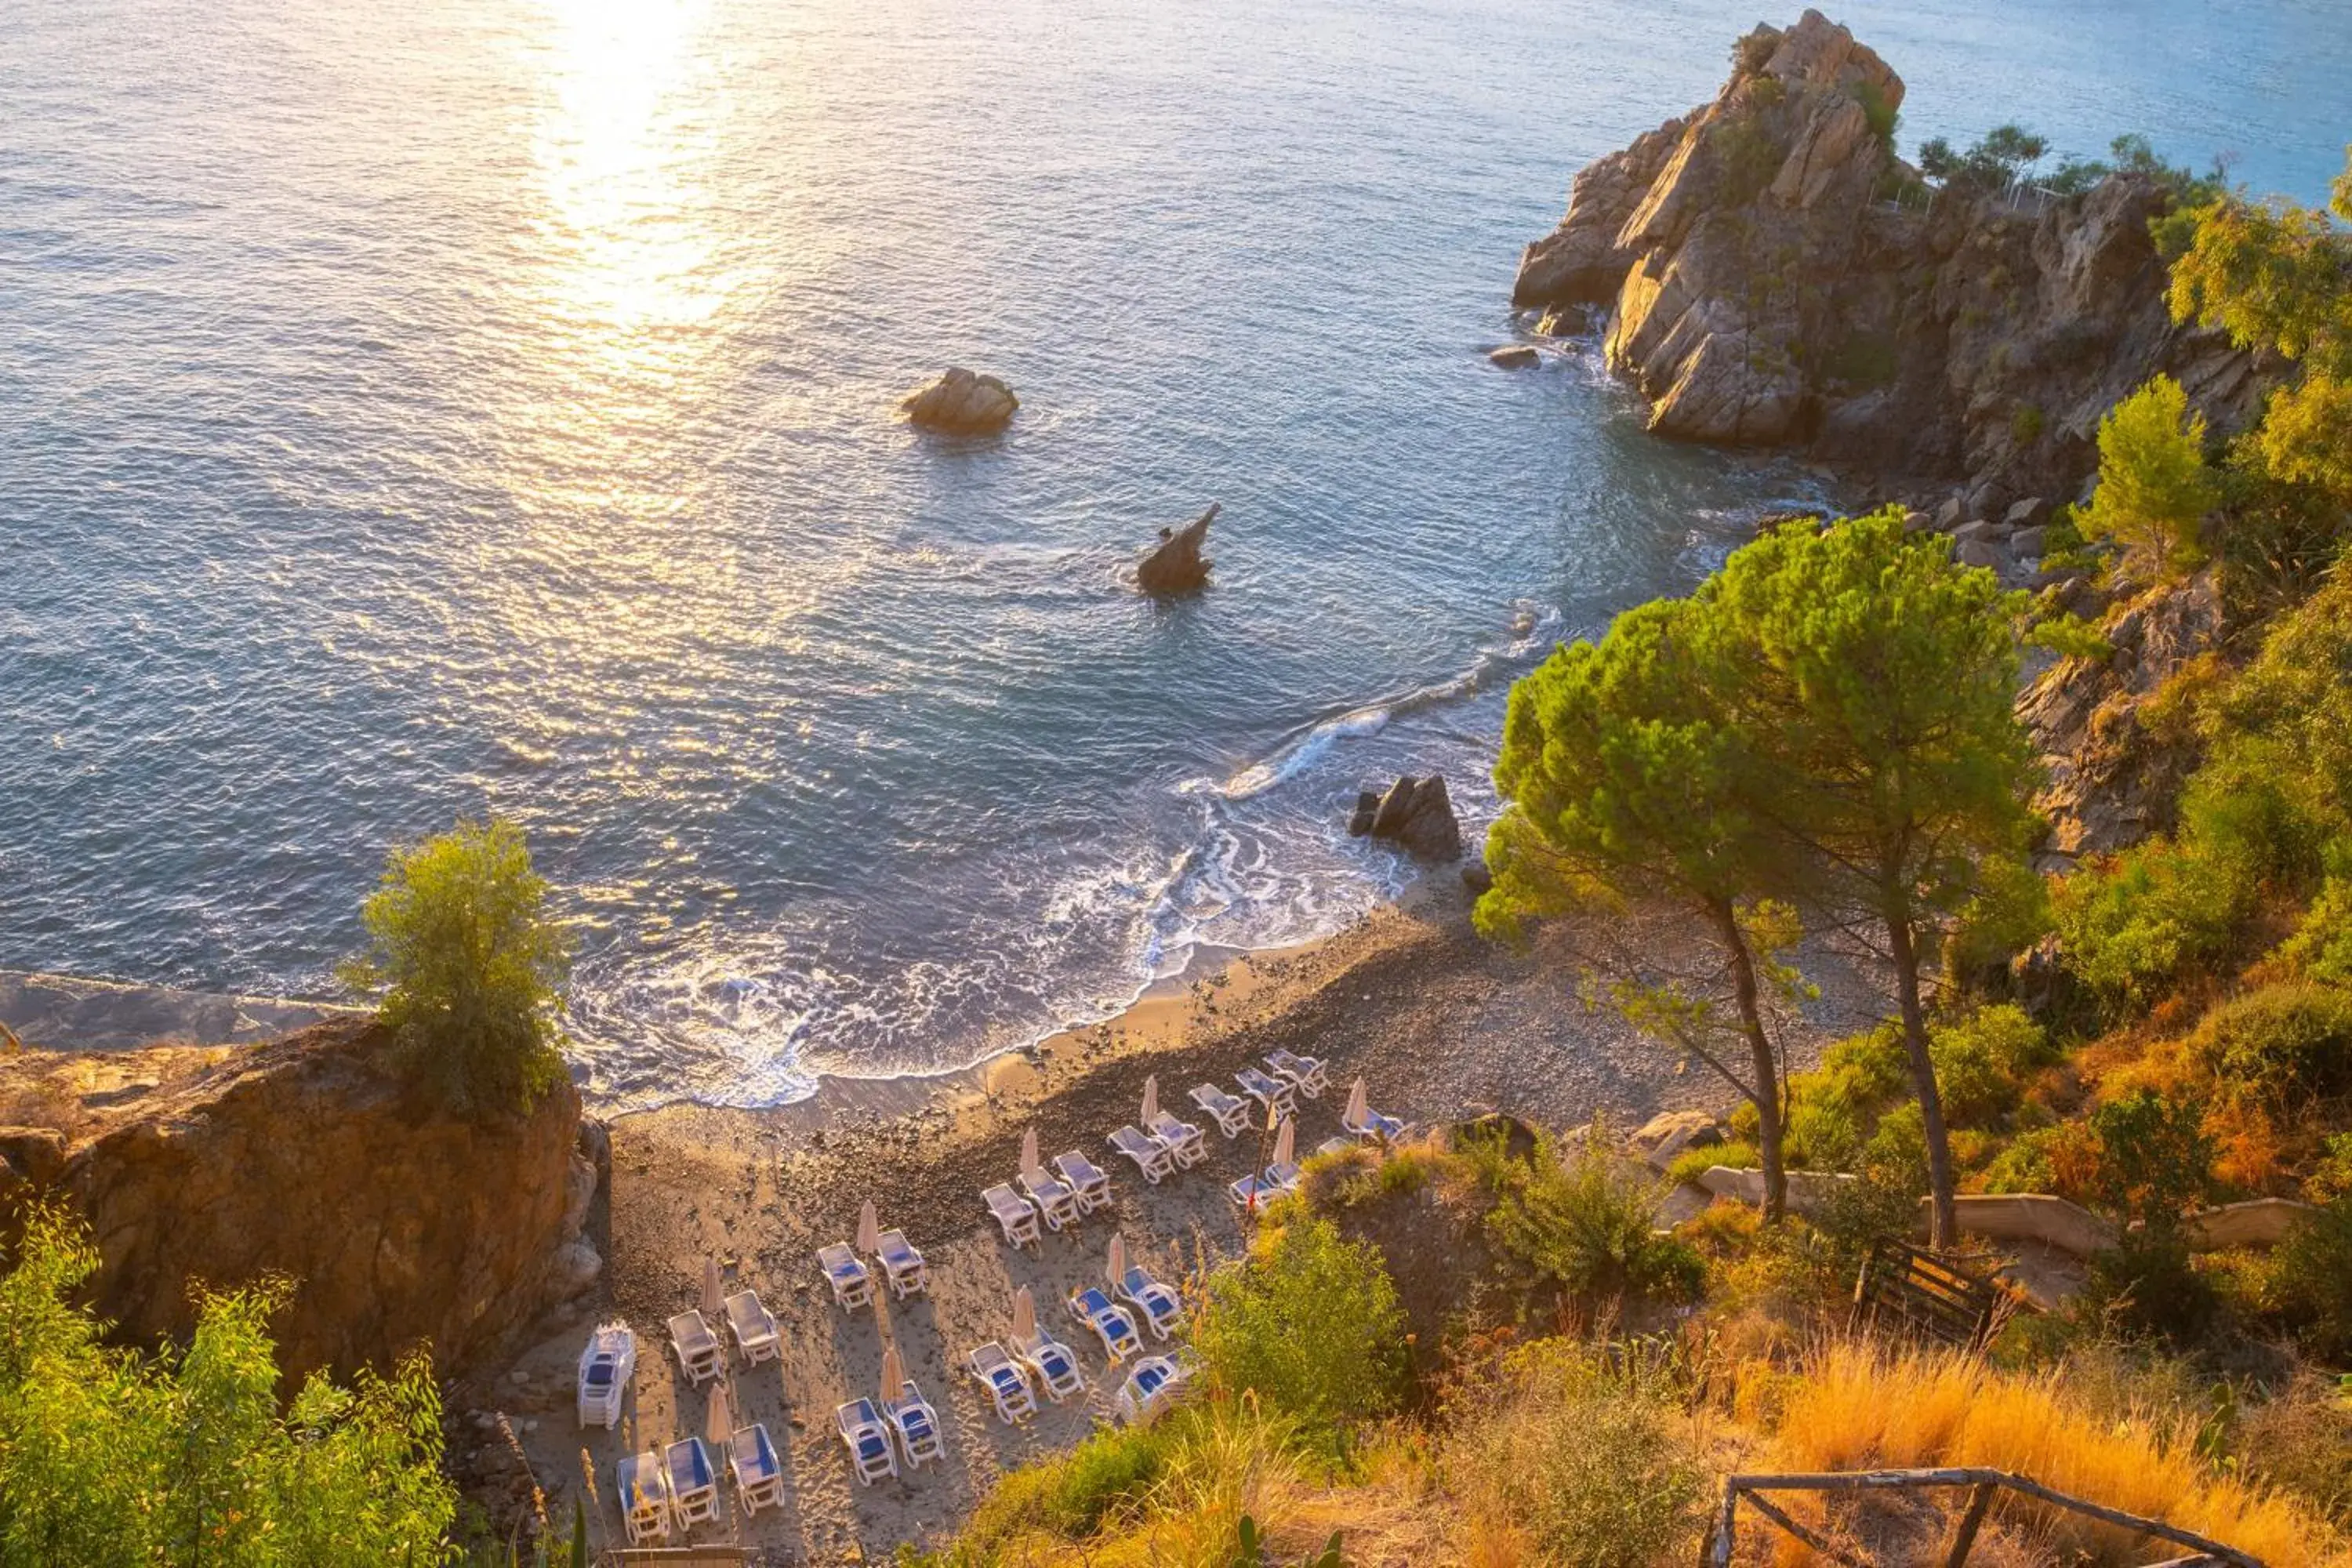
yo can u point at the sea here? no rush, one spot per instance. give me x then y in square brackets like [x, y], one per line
[464, 407]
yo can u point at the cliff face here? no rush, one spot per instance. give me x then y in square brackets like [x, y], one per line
[1765, 290]
[304, 1158]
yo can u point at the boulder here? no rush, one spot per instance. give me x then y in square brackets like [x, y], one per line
[2027, 513]
[311, 1158]
[1565, 321]
[1176, 564]
[1979, 531]
[1662, 1139]
[962, 403]
[1417, 814]
[2029, 542]
[1367, 806]
[1514, 356]
[1983, 552]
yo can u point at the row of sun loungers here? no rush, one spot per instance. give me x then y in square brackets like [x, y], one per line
[677, 1486]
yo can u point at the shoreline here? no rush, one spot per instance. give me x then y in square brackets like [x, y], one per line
[1443, 1024]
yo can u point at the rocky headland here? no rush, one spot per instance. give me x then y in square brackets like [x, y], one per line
[1772, 274]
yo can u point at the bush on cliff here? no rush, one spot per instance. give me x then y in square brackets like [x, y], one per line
[2154, 488]
[469, 966]
[108, 1456]
[1311, 1324]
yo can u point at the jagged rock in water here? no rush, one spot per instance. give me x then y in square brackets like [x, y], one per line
[1765, 290]
[1514, 356]
[2110, 781]
[962, 403]
[1177, 565]
[1564, 320]
[1367, 806]
[1417, 814]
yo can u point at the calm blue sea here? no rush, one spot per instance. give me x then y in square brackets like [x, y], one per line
[486, 405]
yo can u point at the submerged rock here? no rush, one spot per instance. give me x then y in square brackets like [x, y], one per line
[1177, 565]
[1416, 815]
[1514, 356]
[962, 403]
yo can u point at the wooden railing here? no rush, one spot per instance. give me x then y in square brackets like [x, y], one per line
[1983, 1486]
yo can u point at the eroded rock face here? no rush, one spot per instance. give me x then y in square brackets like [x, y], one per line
[960, 403]
[303, 1157]
[1176, 565]
[2112, 780]
[1764, 290]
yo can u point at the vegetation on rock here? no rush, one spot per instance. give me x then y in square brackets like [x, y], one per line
[469, 965]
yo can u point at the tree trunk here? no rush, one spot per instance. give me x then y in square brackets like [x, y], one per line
[1765, 1068]
[1944, 1228]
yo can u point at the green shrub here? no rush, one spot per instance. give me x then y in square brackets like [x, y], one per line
[2321, 944]
[2025, 424]
[108, 1456]
[1880, 113]
[2284, 1044]
[2331, 1176]
[2023, 1166]
[2143, 1158]
[1692, 1163]
[1071, 1495]
[2128, 929]
[1588, 1225]
[1311, 1322]
[2154, 488]
[2148, 1284]
[469, 965]
[1982, 1062]
[2300, 1441]
[1587, 1456]
[2309, 1280]
[1832, 1109]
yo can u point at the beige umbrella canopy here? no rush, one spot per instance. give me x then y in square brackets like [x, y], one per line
[1359, 1106]
[1029, 1166]
[869, 1229]
[1024, 1315]
[1151, 1099]
[1118, 1258]
[1286, 1142]
[722, 1424]
[894, 1373]
[711, 1303]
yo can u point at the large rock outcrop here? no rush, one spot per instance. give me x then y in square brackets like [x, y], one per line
[1416, 815]
[1775, 276]
[962, 403]
[1176, 565]
[306, 1158]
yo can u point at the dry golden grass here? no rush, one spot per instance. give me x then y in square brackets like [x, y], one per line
[1856, 1409]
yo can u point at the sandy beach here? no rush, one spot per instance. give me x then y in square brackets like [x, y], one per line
[1443, 1026]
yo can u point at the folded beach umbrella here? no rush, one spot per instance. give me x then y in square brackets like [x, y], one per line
[894, 1375]
[1024, 1316]
[1150, 1100]
[1286, 1141]
[1029, 1166]
[712, 1303]
[1359, 1106]
[869, 1229]
[1117, 1257]
[722, 1424]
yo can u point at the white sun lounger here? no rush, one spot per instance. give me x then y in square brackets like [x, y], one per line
[1254, 1191]
[1152, 1157]
[1109, 1319]
[753, 1326]
[1016, 1214]
[1184, 1140]
[1274, 1097]
[1162, 1310]
[693, 1481]
[1284, 1177]
[698, 1350]
[1054, 1202]
[1374, 1126]
[642, 1492]
[1230, 1114]
[1086, 1179]
[1307, 1074]
[905, 1268]
[1054, 1363]
[759, 1473]
[1150, 1389]
[852, 1286]
[1337, 1143]
[867, 1437]
[606, 1365]
[1007, 1384]
[916, 1424]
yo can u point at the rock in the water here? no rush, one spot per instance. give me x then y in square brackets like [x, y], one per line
[1514, 356]
[1418, 815]
[1762, 288]
[1563, 320]
[1368, 806]
[962, 403]
[1177, 566]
